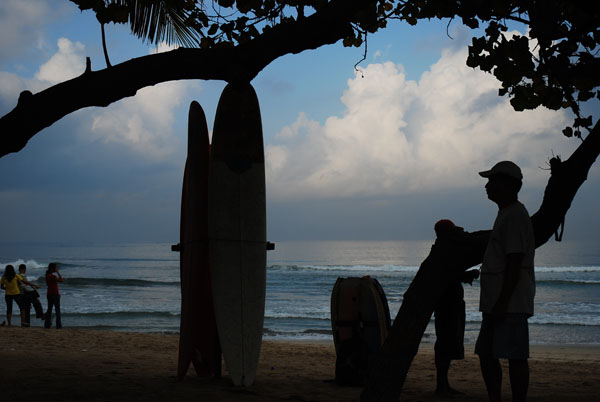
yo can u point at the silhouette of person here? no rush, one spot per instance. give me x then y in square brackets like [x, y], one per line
[29, 297]
[10, 282]
[53, 277]
[507, 286]
[450, 320]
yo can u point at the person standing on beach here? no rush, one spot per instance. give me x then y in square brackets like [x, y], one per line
[53, 276]
[29, 297]
[10, 283]
[507, 286]
[450, 320]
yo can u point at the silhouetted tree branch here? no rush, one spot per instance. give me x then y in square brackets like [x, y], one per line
[243, 62]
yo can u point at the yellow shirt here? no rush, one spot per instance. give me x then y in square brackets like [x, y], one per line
[12, 287]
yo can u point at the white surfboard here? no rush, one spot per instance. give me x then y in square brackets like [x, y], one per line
[237, 230]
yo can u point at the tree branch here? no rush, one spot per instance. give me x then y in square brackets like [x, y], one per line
[241, 63]
[565, 180]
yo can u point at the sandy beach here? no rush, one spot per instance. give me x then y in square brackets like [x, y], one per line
[76, 365]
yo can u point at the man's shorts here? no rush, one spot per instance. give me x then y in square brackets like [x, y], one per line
[450, 330]
[508, 339]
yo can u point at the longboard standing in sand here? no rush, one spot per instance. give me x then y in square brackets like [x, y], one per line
[237, 230]
[198, 339]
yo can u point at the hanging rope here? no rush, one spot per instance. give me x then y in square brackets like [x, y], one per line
[558, 236]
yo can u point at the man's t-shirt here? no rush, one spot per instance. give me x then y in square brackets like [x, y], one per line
[512, 233]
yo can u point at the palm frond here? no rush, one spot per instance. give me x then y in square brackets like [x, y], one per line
[159, 21]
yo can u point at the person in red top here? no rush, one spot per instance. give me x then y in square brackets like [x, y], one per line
[52, 278]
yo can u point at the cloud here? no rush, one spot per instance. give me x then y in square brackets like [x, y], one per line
[67, 63]
[11, 85]
[21, 24]
[164, 47]
[144, 122]
[399, 136]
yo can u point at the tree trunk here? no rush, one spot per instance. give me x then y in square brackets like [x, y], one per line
[447, 256]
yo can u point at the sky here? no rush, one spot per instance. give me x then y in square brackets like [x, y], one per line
[378, 154]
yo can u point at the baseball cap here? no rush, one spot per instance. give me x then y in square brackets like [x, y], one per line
[507, 168]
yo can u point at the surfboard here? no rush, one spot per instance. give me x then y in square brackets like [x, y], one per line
[360, 321]
[198, 339]
[237, 230]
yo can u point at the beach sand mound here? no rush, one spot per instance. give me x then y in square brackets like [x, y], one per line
[86, 365]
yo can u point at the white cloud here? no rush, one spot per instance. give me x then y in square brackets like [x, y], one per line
[398, 136]
[144, 122]
[21, 23]
[163, 47]
[11, 85]
[67, 63]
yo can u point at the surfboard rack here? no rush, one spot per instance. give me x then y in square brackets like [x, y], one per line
[179, 247]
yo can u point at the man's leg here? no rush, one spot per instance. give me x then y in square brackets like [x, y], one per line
[492, 376]
[519, 379]
[442, 366]
[490, 365]
[26, 309]
[39, 310]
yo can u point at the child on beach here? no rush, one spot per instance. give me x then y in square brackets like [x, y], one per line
[29, 297]
[10, 282]
[450, 321]
[53, 276]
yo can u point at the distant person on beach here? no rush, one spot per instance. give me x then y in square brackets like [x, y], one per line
[52, 278]
[10, 283]
[29, 297]
[450, 320]
[507, 286]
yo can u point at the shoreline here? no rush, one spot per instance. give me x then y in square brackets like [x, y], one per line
[99, 365]
[428, 338]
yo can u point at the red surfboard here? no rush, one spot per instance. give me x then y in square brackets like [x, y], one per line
[360, 322]
[198, 338]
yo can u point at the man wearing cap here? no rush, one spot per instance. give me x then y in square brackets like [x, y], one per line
[507, 285]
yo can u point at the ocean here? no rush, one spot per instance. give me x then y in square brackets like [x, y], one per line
[135, 287]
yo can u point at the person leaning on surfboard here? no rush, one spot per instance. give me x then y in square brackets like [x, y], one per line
[450, 319]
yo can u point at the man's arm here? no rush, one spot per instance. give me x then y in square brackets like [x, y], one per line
[33, 285]
[469, 276]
